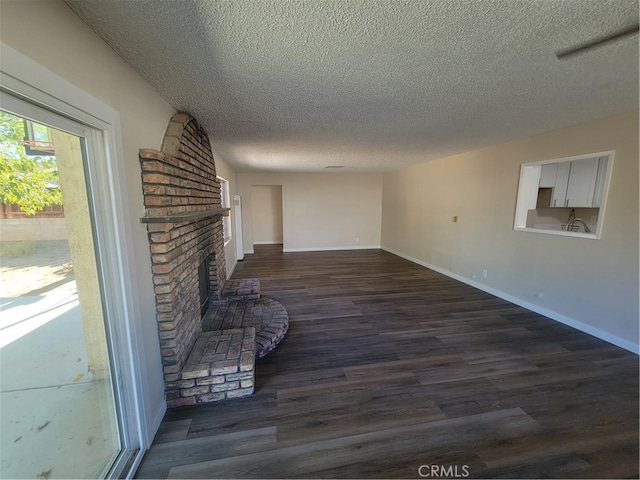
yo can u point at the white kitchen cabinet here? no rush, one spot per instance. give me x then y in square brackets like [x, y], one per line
[600, 178]
[548, 174]
[575, 183]
[582, 183]
[560, 188]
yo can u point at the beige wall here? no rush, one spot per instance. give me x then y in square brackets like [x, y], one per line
[592, 284]
[266, 221]
[80, 238]
[225, 171]
[322, 211]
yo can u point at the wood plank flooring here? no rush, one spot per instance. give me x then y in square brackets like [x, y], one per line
[389, 366]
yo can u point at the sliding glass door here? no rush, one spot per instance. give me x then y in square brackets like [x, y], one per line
[62, 414]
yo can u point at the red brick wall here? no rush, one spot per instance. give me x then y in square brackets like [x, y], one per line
[14, 211]
[181, 179]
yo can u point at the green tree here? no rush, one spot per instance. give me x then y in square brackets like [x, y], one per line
[29, 181]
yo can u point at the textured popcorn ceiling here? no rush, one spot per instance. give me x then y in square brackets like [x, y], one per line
[297, 85]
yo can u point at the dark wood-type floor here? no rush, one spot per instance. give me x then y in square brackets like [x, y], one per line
[389, 366]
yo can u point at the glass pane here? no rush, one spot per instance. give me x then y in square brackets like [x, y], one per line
[58, 412]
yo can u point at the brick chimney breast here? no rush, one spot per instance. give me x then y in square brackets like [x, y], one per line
[181, 180]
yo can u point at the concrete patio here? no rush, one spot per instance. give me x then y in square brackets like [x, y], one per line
[56, 418]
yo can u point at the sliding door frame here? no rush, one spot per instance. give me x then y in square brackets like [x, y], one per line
[55, 101]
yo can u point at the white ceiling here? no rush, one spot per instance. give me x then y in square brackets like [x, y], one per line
[298, 85]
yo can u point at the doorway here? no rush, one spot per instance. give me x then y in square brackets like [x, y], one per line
[61, 412]
[266, 214]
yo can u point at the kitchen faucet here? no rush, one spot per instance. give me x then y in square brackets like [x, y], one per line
[579, 220]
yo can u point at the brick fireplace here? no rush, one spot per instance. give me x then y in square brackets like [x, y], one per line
[183, 215]
[211, 331]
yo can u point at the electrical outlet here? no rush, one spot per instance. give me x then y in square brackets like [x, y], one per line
[485, 274]
[455, 219]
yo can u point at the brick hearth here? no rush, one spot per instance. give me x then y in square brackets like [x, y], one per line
[269, 318]
[221, 366]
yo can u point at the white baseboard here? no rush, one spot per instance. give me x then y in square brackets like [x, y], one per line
[326, 249]
[233, 267]
[269, 242]
[571, 322]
